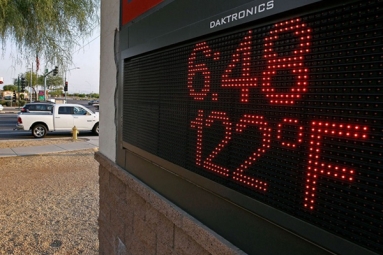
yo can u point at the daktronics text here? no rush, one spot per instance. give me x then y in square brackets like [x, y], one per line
[242, 14]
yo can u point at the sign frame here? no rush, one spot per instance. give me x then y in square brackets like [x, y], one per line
[320, 237]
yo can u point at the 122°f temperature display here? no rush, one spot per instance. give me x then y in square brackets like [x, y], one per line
[290, 114]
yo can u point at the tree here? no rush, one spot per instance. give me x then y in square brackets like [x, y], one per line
[10, 87]
[34, 83]
[52, 81]
[49, 29]
[27, 76]
[56, 92]
[94, 95]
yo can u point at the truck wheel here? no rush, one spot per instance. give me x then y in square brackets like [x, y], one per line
[39, 130]
[95, 129]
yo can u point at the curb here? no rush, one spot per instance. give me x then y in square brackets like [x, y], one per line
[85, 144]
[10, 110]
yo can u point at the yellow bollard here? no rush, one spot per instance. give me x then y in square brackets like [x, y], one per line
[74, 133]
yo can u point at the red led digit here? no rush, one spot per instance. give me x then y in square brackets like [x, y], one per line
[208, 164]
[293, 62]
[194, 68]
[290, 122]
[198, 124]
[316, 167]
[239, 174]
[242, 56]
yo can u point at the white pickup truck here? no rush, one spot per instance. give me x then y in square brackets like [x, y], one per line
[63, 117]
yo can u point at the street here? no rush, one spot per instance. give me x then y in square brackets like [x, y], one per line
[8, 120]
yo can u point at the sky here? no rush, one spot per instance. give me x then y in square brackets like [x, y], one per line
[83, 80]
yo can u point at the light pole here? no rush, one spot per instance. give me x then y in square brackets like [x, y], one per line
[30, 85]
[65, 82]
[30, 88]
[54, 71]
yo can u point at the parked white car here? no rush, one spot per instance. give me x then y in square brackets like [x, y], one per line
[63, 117]
[1, 107]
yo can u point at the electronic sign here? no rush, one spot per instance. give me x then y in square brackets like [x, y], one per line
[131, 9]
[289, 113]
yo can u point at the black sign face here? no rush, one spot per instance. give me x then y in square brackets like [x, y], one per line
[290, 114]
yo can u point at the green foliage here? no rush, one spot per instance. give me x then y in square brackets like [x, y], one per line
[54, 81]
[10, 87]
[56, 92]
[49, 28]
[6, 103]
[94, 95]
[10, 103]
[28, 75]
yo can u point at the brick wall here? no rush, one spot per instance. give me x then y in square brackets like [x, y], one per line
[136, 220]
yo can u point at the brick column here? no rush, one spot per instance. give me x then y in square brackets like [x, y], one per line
[136, 220]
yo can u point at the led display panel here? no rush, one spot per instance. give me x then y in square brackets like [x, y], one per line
[289, 113]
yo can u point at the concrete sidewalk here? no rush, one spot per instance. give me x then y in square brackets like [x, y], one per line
[91, 143]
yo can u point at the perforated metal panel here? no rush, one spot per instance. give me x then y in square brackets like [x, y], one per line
[289, 113]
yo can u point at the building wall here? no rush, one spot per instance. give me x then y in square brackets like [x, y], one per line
[108, 80]
[133, 218]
